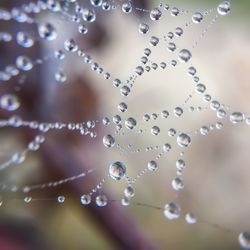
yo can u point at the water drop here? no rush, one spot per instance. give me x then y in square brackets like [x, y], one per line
[59, 54]
[197, 17]
[108, 141]
[27, 199]
[164, 114]
[190, 218]
[117, 119]
[155, 130]
[18, 158]
[224, 8]
[47, 32]
[53, 5]
[178, 31]
[24, 63]
[9, 102]
[166, 147]
[214, 105]
[184, 56]
[117, 170]
[129, 192]
[146, 118]
[244, 240]
[175, 11]
[33, 146]
[122, 107]
[172, 211]
[83, 29]
[152, 165]
[96, 3]
[85, 199]
[61, 199]
[88, 15]
[127, 7]
[221, 113]
[143, 28]
[11, 70]
[147, 52]
[171, 132]
[125, 90]
[106, 5]
[101, 200]
[154, 40]
[180, 164]
[139, 70]
[117, 83]
[204, 130]
[155, 14]
[219, 125]
[171, 47]
[24, 39]
[178, 111]
[207, 98]
[70, 45]
[183, 140]
[178, 184]
[237, 117]
[130, 123]
[105, 121]
[200, 88]
[125, 201]
[170, 35]
[191, 71]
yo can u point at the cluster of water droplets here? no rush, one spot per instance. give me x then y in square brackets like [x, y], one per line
[117, 170]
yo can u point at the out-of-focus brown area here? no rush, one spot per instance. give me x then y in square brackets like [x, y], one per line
[216, 179]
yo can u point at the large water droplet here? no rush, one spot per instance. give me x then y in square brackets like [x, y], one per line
[117, 170]
[190, 218]
[155, 14]
[178, 111]
[197, 17]
[101, 200]
[61, 199]
[224, 8]
[108, 141]
[85, 199]
[70, 45]
[127, 7]
[24, 63]
[155, 130]
[47, 32]
[9, 102]
[143, 28]
[178, 184]
[96, 3]
[130, 123]
[237, 117]
[129, 192]
[183, 140]
[88, 15]
[184, 56]
[172, 211]
[122, 107]
[244, 240]
[204, 130]
[175, 11]
[24, 39]
[152, 165]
